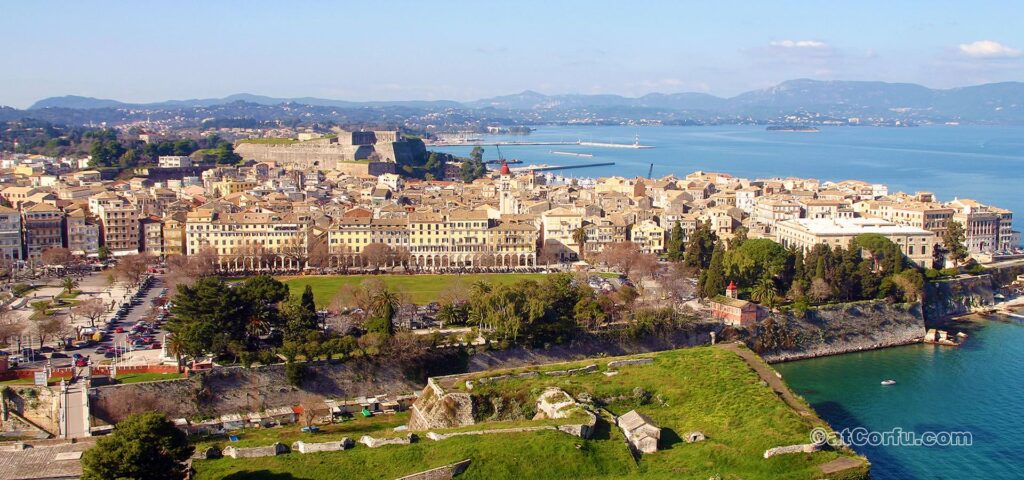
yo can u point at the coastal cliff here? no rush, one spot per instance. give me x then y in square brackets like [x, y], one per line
[836, 329]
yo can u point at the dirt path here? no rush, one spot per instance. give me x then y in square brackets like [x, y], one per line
[768, 375]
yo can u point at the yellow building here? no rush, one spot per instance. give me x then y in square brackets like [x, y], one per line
[648, 236]
[250, 240]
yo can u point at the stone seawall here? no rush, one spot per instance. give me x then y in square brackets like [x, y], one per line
[958, 296]
[853, 327]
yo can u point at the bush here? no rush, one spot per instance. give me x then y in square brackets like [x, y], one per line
[20, 289]
[949, 272]
[976, 269]
[295, 373]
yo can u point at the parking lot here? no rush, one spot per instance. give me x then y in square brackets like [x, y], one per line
[132, 334]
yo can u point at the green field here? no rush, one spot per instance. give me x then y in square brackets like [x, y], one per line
[421, 289]
[706, 389]
[269, 141]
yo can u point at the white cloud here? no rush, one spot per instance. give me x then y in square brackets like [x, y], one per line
[988, 49]
[799, 44]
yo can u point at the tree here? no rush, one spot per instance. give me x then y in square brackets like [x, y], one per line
[143, 447]
[700, 246]
[225, 154]
[132, 269]
[477, 153]
[472, 170]
[300, 316]
[207, 316]
[953, 242]
[580, 237]
[911, 283]
[69, 284]
[765, 292]
[820, 290]
[383, 308]
[103, 253]
[675, 246]
[93, 309]
[754, 259]
[712, 278]
[377, 255]
[622, 256]
[57, 256]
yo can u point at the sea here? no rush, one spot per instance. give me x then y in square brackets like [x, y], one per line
[984, 163]
[976, 388]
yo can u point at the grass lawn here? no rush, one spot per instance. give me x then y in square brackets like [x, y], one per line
[269, 141]
[422, 289]
[147, 377]
[706, 389]
[355, 428]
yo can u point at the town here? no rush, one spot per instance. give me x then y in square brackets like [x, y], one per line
[192, 263]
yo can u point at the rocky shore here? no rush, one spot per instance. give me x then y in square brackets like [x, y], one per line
[853, 327]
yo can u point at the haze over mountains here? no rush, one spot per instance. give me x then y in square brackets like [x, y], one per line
[987, 103]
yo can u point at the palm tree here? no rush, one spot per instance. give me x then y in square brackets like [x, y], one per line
[176, 348]
[385, 304]
[69, 284]
[580, 237]
[256, 327]
[765, 292]
[40, 309]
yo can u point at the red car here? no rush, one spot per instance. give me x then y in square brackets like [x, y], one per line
[82, 362]
[155, 346]
[118, 330]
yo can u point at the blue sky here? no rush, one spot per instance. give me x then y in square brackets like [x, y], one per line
[461, 50]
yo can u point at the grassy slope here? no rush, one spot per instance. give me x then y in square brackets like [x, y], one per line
[706, 389]
[421, 289]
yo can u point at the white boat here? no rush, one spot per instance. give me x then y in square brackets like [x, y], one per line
[888, 382]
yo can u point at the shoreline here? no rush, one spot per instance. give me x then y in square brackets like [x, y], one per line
[776, 359]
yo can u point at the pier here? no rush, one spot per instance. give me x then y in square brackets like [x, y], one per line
[540, 143]
[545, 168]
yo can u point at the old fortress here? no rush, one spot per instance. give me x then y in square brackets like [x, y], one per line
[318, 204]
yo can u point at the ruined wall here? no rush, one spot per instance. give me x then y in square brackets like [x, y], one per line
[38, 405]
[958, 296]
[851, 327]
[584, 346]
[241, 390]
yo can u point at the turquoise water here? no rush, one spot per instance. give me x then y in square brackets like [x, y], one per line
[976, 388]
[981, 162]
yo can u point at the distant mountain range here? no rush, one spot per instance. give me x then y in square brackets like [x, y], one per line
[988, 103]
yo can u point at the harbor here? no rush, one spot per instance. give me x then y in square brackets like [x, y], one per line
[545, 168]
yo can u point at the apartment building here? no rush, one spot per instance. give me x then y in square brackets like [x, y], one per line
[10, 234]
[82, 234]
[119, 223]
[43, 226]
[250, 240]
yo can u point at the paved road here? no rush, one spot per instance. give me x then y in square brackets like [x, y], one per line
[768, 375]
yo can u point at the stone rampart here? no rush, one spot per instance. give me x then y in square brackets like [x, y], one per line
[446, 472]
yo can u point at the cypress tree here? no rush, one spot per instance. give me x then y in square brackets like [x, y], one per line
[713, 279]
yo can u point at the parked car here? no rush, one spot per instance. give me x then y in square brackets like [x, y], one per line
[118, 330]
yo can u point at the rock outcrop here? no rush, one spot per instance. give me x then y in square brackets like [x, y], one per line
[850, 327]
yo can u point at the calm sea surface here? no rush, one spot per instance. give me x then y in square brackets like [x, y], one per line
[979, 162]
[976, 388]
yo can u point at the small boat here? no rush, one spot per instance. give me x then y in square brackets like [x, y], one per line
[888, 382]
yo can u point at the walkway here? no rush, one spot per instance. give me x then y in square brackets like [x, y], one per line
[76, 410]
[770, 377]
